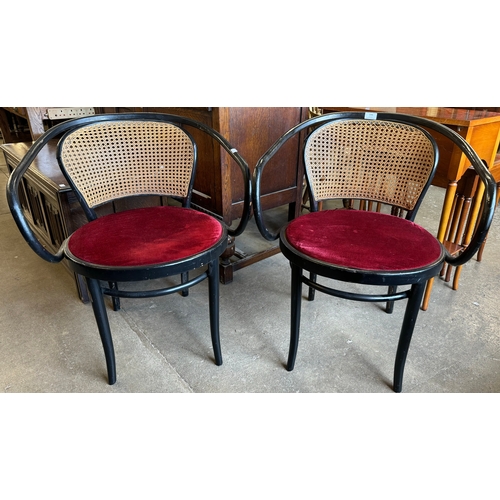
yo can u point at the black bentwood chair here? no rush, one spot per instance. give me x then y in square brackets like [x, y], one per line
[109, 157]
[386, 158]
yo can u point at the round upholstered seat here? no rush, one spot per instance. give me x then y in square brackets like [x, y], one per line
[368, 241]
[145, 237]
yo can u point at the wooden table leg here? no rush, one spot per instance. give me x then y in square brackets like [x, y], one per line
[471, 226]
[225, 267]
[443, 224]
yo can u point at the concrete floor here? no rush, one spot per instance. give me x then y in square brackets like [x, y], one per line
[49, 341]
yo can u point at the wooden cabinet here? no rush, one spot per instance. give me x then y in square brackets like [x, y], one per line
[47, 201]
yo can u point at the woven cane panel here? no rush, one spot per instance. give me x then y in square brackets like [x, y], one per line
[117, 159]
[374, 160]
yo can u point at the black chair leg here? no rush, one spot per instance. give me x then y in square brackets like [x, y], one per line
[101, 317]
[296, 302]
[389, 307]
[213, 297]
[410, 318]
[312, 291]
[116, 300]
[184, 279]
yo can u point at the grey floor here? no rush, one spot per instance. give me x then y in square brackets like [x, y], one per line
[49, 341]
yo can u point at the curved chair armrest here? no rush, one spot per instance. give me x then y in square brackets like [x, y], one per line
[13, 194]
[242, 164]
[483, 226]
[489, 197]
[267, 233]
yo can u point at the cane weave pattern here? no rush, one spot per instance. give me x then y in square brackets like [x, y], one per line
[367, 159]
[113, 160]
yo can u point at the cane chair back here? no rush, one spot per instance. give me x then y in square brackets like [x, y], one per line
[112, 160]
[374, 161]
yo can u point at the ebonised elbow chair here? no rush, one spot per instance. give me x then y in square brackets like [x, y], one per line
[382, 158]
[113, 156]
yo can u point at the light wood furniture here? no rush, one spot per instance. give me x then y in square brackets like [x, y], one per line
[480, 128]
[459, 230]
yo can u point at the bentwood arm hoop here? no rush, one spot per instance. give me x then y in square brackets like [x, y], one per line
[483, 224]
[56, 131]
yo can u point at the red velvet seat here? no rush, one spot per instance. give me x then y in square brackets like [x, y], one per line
[368, 241]
[115, 157]
[145, 237]
[385, 159]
